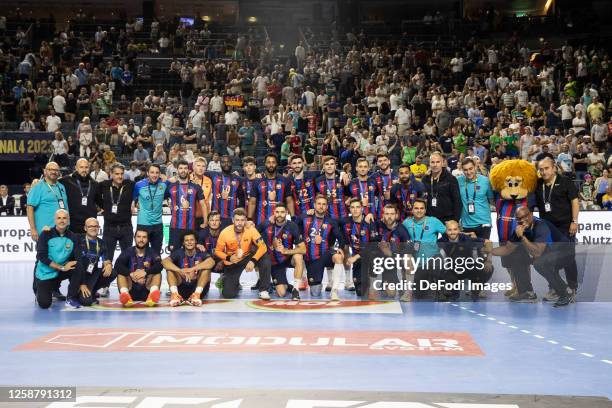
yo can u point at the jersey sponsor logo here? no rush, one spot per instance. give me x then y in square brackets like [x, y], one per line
[224, 340]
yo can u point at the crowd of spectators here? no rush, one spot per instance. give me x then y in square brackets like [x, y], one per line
[481, 99]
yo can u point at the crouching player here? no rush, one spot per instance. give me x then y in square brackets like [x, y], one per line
[95, 269]
[286, 249]
[139, 272]
[188, 272]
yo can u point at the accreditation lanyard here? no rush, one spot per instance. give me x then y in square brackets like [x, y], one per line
[422, 230]
[58, 196]
[239, 251]
[92, 261]
[115, 205]
[84, 195]
[467, 197]
[151, 195]
[547, 205]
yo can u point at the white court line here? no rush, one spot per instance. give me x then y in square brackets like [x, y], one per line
[537, 336]
[606, 361]
[587, 355]
[553, 342]
[569, 348]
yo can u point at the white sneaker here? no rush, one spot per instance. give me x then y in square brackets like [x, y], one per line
[104, 292]
[264, 295]
[334, 294]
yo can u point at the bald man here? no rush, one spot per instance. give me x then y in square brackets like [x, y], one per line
[55, 262]
[443, 199]
[81, 191]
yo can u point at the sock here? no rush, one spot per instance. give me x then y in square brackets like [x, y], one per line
[153, 288]
[336, 274]
[199, 289]
[173, 289]
[296, 282]
[124, 290]
[348, 281]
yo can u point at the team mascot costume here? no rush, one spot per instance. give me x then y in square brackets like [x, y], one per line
[512, 181]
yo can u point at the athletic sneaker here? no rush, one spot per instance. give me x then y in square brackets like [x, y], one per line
[195, 300]
[334, 295]
[176, 300]
[153, 298]
[572, 295]
[295, 294]
[350, 288]
[510, 292]
[104, 292]
[264, 295]
[57, 295]
[126, 299]
[304, 283]
[527, 297]
[315, 290]
[551, 296]
[562, 301]
[72, 303]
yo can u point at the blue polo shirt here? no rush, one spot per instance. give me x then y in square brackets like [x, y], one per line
[150, 198]
[478, 192]
[45, 199]
[425, 232]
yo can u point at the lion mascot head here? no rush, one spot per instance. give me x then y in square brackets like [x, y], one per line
[513, 179]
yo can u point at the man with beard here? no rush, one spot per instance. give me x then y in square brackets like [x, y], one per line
[391, 235]
[357, 230]
[81, 191]
[334, 188]
[286, 249]
[188, 272]
[198, 177]
[406, 191]
[234, 247]
[227, 190]
[185, 196]
[384, 178]
[443, 200]
[149, 195]
[139, 272]
[364, 187]
[268, 191]
[207, 241]
[320, 233]
[302, 185]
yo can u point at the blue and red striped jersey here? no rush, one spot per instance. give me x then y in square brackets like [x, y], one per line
[183, 201]
[235, 197]
[267, 193]
[209, 239]
[289, 234]
[180, 258]
[336, 193]
[506, 220]
[312, 226]
[128, 262]
[364, 190]
[357, 233]
[403, 197]
[303, 192]
[383, 184]
[396, 235]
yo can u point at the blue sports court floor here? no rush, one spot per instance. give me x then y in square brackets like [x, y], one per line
[517, 349]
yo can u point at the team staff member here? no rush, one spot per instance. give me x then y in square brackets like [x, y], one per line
[443, 199]
[56, 261]
[94, 265]
[45, 198]
[198, 177]
[149, 195]
[531, 244]
[557, 200]
[320, 234]
[234, 247]
[406, 191]
[286, 249]
[476, 194]
[185, 196]
[188, 272]
[268, 191]
[81, 191]
[139, 272]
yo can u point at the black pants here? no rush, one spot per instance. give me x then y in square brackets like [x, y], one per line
[232, 273]
[156, 236]
[520, 261]
[568, 262]
[94, 281]
[117, 233]
[481, 231]
[44, 288]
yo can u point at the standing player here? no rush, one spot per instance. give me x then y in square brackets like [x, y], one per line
[188, 272]
[286, 249]
[185, 196]
[234, 247]
[149, 195]
[364, 187]
[384, 178]
[268, 191]
[249, 168]
[334, 188]
[357, 232]
[320, 234]
[406, 191]
[302, 186]
[139, 272]
[205, 183]
[227, 190]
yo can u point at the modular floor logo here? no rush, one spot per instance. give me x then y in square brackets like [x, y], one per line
[344, 342]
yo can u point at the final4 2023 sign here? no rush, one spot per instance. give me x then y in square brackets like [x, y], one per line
[24, 145]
